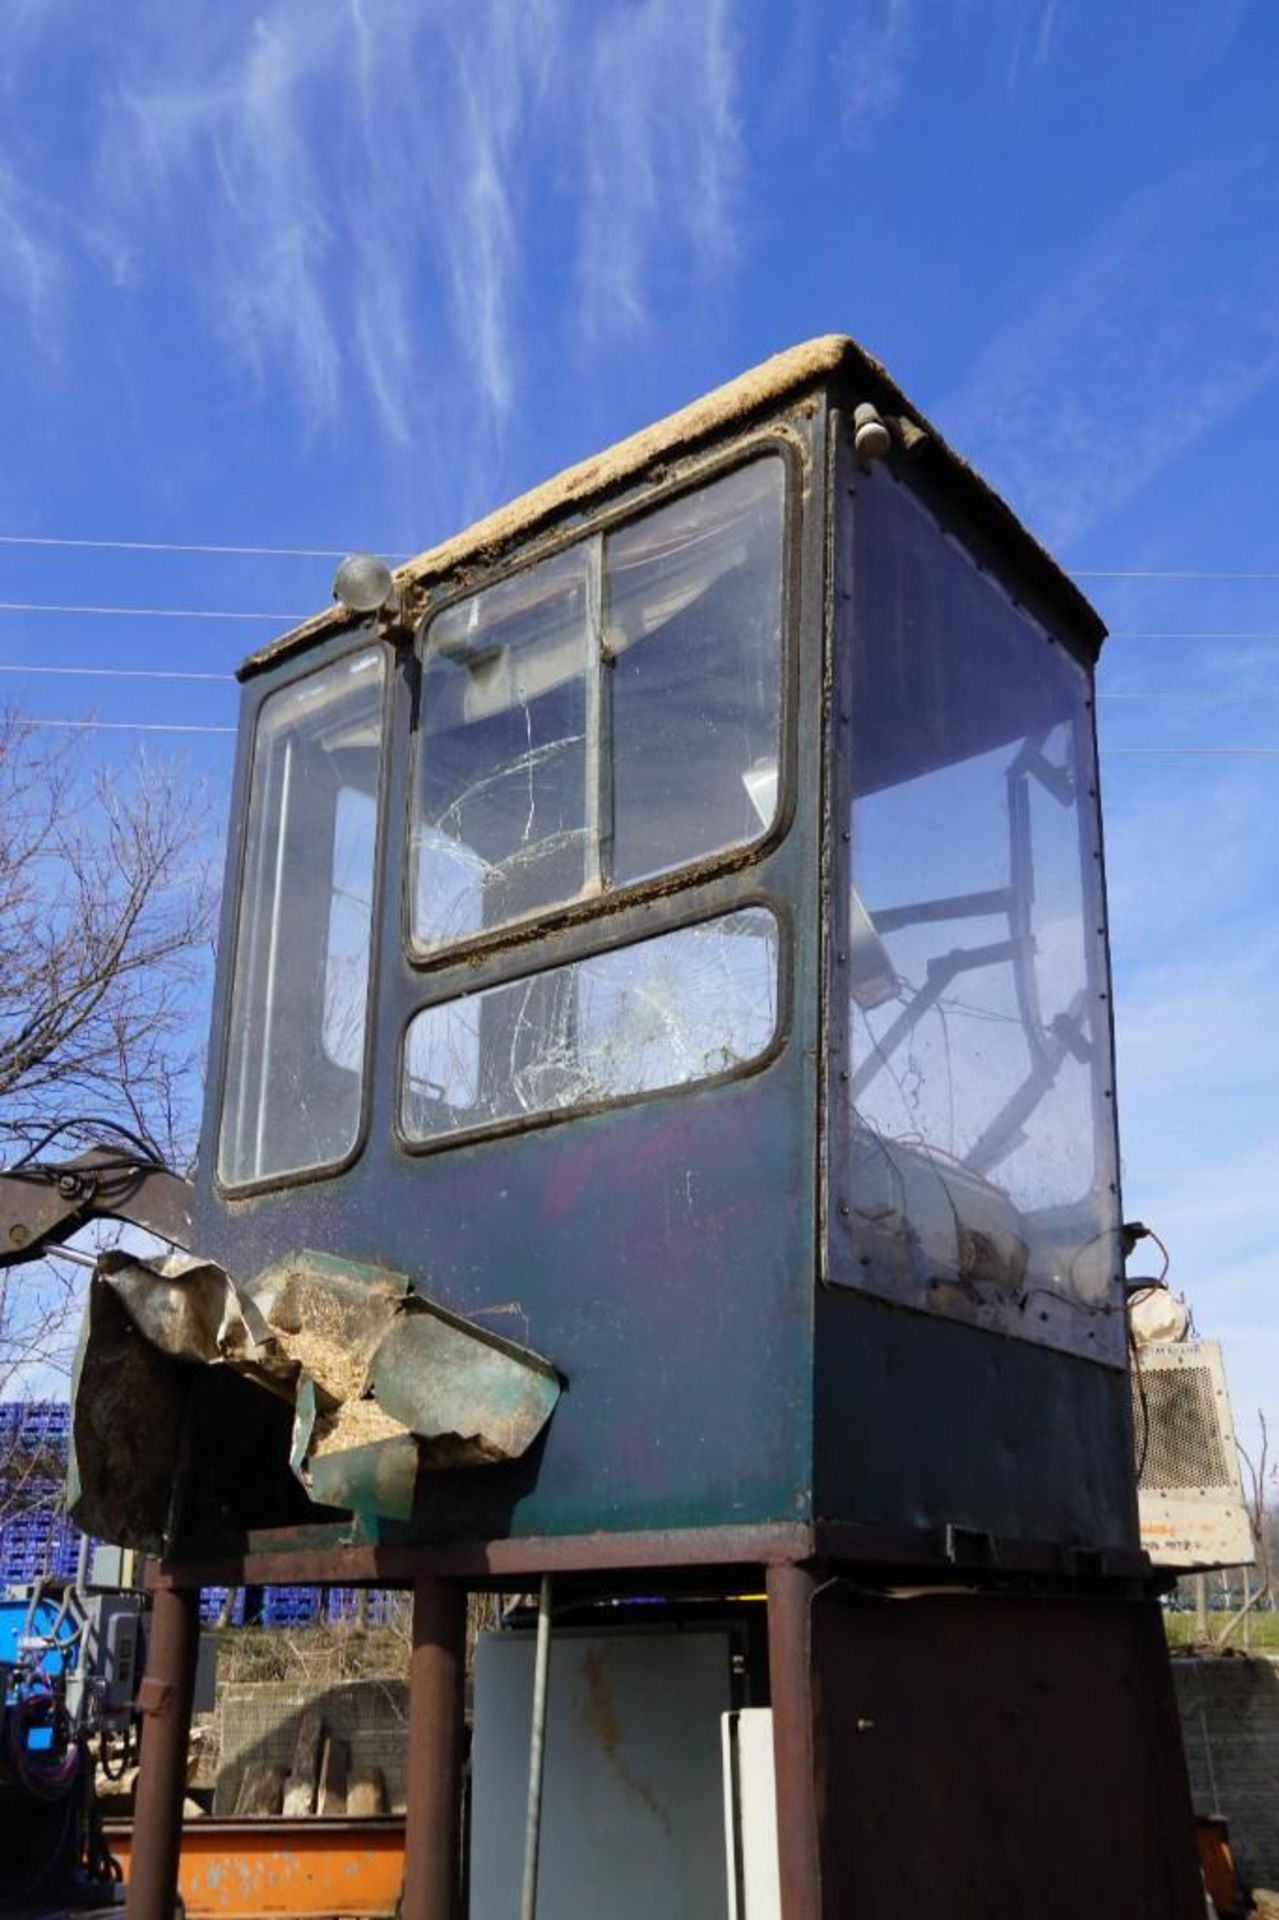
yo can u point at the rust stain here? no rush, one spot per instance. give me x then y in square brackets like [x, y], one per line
[600, 1723]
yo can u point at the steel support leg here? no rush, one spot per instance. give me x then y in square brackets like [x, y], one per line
[432, 1844]
[164, 1701]
[790, 1594]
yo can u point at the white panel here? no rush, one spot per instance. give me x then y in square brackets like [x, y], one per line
[750, 1807]
[1189, 1491]
[632, 1816]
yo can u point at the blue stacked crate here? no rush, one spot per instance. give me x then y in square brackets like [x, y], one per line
[342, 1605]
[39, 1542]
[291, 1606]
[212, 1600]
[35, 1423]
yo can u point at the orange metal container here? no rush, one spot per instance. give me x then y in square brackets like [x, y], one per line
[305, 1869]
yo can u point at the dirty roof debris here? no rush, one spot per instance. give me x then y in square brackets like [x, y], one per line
[763, 390]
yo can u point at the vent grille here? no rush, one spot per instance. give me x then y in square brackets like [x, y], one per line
[1177, 1428]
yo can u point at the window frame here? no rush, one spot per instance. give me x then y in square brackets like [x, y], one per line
[700, 913]
[775, 441]
[366, 638]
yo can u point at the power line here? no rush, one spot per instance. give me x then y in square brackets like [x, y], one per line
[1200, 699]
[1167, 573]
[340, 553]
[184, 546]
[120, 673]
[1131, 633]
[1251, 752]
[151, 613]
[165, 726]
[127, 726]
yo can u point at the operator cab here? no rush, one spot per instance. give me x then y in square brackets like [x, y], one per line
[670, 936]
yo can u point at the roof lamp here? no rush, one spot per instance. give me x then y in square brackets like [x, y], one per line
[364, 583]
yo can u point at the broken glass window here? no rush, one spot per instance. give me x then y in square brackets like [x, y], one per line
[609, 714]
[683, 1006]
[501, 826]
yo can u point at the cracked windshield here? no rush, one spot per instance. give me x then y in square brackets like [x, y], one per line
[607, 716]
[688, 1005]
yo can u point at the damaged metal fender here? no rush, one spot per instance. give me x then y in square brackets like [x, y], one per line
[383, 1382]
[449, 1393]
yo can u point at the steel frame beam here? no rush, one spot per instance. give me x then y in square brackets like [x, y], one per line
[164, 1701]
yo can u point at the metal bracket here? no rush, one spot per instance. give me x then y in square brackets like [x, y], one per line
[42, 1205]
[156, 1697]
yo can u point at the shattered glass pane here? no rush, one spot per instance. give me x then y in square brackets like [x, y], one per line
[299, 999]
[501, 824]
[684, 1006]
[606, 715]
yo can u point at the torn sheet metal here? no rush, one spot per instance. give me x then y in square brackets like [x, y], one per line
[126, 1428]
[382, 1381]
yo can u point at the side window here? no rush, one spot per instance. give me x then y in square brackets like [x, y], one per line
[979, 1139]
[662, 1013]
[293, 1093]
[608, 715]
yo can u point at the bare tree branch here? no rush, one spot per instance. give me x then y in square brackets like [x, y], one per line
[106, 928]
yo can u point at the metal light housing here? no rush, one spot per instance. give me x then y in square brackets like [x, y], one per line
[364, 584]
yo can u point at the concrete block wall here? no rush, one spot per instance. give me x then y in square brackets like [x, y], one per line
[259, 1721]
[1229, 1710]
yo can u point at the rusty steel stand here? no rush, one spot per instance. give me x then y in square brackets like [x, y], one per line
[433, 1828]
[790, 1590]
[164, 1702]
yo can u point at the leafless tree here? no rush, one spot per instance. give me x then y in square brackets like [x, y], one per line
[106, 918]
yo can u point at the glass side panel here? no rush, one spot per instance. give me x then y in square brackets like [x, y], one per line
[293, 1095]
[693, 627]
[500, 831]
[606, 715]
[684, 1006]
[979, 1136]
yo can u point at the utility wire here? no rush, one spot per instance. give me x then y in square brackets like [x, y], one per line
[128, 726]
[285, 618]
[1130, 633]
[166, 726]
[1250, 752]
[119, 673]
[228, 679]
[340, 553]
[151, 613]
[1166, 573]
[185, 546]
[1200, 699]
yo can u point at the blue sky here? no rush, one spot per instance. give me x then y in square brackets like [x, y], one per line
[343, 273]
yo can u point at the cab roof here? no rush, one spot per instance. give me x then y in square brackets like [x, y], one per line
[832, 360]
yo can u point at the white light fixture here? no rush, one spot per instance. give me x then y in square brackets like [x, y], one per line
[871, 437]
[364, 584]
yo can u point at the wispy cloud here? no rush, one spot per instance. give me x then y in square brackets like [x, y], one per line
[662, 153]
[218, 158]
[1130, 355]
[871, 60]
[359, 189]
[1032, 28]
[32, 264]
